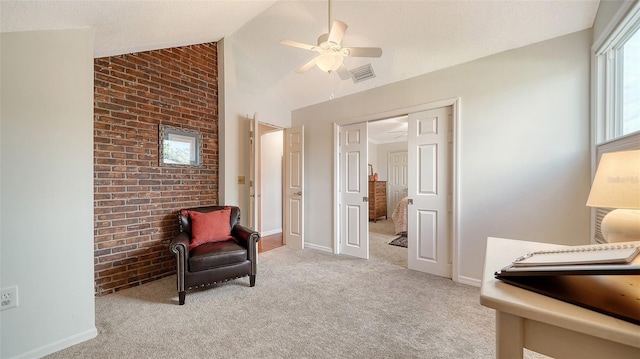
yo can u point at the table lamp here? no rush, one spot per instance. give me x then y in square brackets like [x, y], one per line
[617, 185]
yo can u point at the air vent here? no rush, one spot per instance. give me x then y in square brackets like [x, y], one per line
[362, 73]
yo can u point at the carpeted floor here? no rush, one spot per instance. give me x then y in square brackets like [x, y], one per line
[306, 304]
[382, 226]
[380, 234]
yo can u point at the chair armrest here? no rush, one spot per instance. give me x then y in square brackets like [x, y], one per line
[180, 244]
[247, 237]
[180, 247]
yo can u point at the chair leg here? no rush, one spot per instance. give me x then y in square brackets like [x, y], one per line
[252, 280]
[181, 296]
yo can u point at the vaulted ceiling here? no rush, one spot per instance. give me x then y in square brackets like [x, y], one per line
[416, 37]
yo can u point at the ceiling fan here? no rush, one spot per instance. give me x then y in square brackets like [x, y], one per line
[330, 50]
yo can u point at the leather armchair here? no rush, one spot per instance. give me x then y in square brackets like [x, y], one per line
[216, 262]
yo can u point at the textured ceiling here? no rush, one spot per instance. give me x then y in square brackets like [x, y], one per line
[416, 37]
[122, 27]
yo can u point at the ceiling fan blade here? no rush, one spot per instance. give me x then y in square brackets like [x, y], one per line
[343, 72]
[300, 45]
[306, 66]
[338, 28]
[362, 51]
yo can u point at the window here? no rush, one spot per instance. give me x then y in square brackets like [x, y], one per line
[630, 54]
[616, 98]
[617, 80]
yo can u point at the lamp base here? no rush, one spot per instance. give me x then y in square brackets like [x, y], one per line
[621, 225]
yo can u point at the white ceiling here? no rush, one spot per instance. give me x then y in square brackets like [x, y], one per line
[416, 37]
[122, 27]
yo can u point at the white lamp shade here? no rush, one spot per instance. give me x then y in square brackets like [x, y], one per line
[617, 181]
[329, 61]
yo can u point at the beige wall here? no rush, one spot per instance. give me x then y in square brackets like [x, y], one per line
[523, 142]
[242, 94]
[47, 190]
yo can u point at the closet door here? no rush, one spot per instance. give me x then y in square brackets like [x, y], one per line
[429, 187]
[397, 178]
[354, 191]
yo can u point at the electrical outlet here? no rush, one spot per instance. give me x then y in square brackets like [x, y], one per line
[8, 297]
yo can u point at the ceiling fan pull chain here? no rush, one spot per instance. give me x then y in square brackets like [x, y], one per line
[331, 97]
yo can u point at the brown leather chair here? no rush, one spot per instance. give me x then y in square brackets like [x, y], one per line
[215, 262]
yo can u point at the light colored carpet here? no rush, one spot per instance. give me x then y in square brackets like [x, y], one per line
[382, 226]
[380, 234]
[306, 304]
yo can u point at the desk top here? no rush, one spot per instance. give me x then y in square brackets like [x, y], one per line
[523, 303]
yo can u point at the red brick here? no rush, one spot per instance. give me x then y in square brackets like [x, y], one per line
[135, 199]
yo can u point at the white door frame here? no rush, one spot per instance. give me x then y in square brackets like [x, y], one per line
[254, 193]
[256, 130]
[455, 182]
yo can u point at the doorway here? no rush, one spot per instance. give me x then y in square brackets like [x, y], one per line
[387, 145]
[432, 192]
[267, 184]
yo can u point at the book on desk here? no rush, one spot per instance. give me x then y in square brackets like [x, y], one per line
[602, 277]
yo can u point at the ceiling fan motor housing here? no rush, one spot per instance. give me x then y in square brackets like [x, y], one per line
[325, 44]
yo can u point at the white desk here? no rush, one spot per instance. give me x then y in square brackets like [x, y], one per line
[525, 319]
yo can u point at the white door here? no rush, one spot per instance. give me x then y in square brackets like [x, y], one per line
[293, 234]
[397, 179]
[253, 170]
[429, 188]
[354, 205]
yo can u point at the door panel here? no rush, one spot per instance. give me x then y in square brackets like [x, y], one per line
[427, 169]
[353, 172]
[294, 219]
[429, 188]
[293, 235]
[353, 227]
[354, 210]
[427, 228]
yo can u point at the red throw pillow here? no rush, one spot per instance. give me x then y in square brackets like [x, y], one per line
[210, 227]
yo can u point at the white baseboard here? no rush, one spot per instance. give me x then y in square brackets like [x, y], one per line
[318, 248]
[59, 345]
[270, 232]
[469, 281]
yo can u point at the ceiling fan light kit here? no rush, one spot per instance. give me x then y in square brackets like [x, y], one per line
[329, 61]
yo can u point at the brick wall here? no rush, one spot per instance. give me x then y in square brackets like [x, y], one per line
[136, 200]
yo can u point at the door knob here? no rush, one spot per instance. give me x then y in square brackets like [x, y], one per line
[298, 193]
